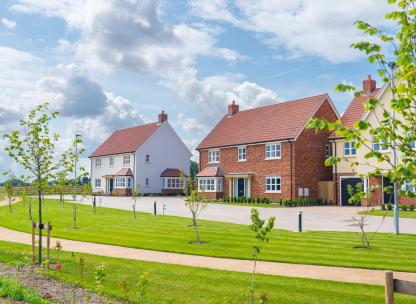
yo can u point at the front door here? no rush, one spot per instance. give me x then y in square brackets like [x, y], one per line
[241, 187]
[388, 193]
[345, 196]
[110, 185]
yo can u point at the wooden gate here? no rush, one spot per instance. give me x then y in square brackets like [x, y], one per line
[326, 191]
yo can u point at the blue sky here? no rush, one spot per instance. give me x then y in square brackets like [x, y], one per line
[112, 64]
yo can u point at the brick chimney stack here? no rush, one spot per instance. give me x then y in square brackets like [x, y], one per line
[233, 108]
[162, 117]
[369, 85]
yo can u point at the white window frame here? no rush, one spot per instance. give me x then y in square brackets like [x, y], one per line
[383, 148]
[111, 161]
[123, 182]
[273, 150]
[97, 183]
[210, 184]
[328, 150]
[213, 156]
[412, 145]
[408, 186]
[172, 183]
[241, 153]
[349, 148]
[269, 184]
[98, 162]
[126, 160]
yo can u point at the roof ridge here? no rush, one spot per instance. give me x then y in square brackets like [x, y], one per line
[143, 125]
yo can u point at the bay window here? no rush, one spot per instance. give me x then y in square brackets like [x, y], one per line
[210, 184]
[122, 182]
[172, 183]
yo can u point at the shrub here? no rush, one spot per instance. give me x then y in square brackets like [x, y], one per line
[389, 207]
[383, 207]
[411, 207]
[404, 207]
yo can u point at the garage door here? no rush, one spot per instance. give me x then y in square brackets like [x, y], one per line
[345, 181]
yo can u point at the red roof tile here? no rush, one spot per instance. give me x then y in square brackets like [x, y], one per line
[124, 172]
[211, 172]
[169, 172]
[355, 110]
[125, 140]
[274, 122]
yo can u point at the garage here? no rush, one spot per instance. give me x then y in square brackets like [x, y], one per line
[344, 182]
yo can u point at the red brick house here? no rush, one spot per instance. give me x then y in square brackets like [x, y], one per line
[267, 151]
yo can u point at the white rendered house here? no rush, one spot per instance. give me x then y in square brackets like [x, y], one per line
[149, 155]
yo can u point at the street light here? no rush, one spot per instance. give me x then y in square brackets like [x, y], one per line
[392, 66]
[75, 162]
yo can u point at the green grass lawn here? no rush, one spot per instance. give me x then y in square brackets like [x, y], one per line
[403, 214]
[183, 284]
[169, 233]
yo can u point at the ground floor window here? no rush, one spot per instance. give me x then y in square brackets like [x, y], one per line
[409, 187]
[172, 183]
[273, 184]
[122, 182]
[97, 182]
[210, 184]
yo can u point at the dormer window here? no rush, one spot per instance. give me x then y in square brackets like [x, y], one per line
[214, 155]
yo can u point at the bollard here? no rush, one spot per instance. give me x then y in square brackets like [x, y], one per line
[300, 221]
[164, 208]
[154, 208]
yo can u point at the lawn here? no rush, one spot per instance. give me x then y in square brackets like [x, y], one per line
[181, 284]
[403, 214]
[169, 233]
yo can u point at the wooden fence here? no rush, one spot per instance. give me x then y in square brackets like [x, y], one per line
[393, 285]
[326, 191]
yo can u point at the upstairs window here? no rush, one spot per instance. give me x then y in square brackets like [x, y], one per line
[349, 148]
[242, 151]
[98, 162]
[147, 158]
[126, 160]
[214, 156]
[412, 145]
[111, 161]
[380, 145]
[147, 182]
[273, 151]
[328, 151]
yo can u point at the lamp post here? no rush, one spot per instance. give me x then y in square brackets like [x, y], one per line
[392, 66]
[74, 208]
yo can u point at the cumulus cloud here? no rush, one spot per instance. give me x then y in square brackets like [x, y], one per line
[304, 27]
[10, 24]
[189, 124]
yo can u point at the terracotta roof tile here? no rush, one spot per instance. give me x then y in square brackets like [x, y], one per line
[126, 140]
[169, 172]
[355, 110]
[124, 172]
[274, 122]
[211, 172]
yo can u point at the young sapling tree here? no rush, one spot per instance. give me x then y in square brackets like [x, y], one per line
[9, 189]
[196, 204]
[135, 195]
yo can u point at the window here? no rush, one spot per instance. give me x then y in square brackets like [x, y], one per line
[273, 184]
[126, 160]
[328, 151]
[172, 183]
[147, 158]
[408, 186]
[349, 148]
[111, 161]
[273, 151]
[122, 182]
[380, 146]
[242, 151]
[210, 184]
[98, 162]
[98, 182]
[213, 156]
[147, 181]
[412, 144]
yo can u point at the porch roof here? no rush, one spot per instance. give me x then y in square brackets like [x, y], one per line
[239, 175]
[216, 171]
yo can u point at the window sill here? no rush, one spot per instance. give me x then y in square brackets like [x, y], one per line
[216, 162]
[241, 160]
[349, 156]
[272, 158]
[272, 191]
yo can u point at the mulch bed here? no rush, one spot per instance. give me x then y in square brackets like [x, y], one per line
[50, 289]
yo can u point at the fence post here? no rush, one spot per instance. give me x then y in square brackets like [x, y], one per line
[33, 243]
[389, 287]
[48, 242]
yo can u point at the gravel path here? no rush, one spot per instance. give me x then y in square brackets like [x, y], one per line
[341, 274]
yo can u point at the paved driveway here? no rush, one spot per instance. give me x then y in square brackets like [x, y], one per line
[331, 218]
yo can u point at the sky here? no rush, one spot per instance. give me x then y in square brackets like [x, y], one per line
[106, 65]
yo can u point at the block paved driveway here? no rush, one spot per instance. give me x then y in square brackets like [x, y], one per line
[330, 218]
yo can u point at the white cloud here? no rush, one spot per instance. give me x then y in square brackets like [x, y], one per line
[305, 27]
[10, 24]
[189, 124]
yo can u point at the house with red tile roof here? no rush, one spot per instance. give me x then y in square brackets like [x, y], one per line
[267, 151]
[354, 167]
[149, 155]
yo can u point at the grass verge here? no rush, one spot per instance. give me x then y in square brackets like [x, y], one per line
[172, 234]
[403, 214]
[182, 284]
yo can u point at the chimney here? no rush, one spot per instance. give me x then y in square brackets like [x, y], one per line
[369, 85]
[162, 117]
[233, 108]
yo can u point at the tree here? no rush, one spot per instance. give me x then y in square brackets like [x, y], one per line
[34, 150]
[194, 169]
[196, 204]
[261, 230]
[396, 123]
[60, 187]
[135, 195]
[9, 189]
[184, 184]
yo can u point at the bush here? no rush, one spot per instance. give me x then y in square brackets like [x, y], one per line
[383, 207]
[404, 207]
[411, 207]
[389, 207]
